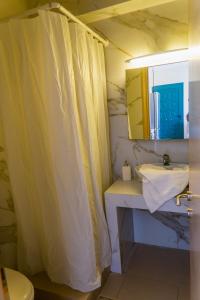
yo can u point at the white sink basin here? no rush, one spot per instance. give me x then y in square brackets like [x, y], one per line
[160, 168]
[162, 183]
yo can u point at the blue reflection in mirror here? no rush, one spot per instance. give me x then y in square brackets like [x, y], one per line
[171, 110]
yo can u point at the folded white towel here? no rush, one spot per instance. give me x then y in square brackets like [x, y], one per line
[161, 184]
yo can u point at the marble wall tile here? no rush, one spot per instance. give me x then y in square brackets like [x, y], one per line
[162, 229]
[150, 33]
[7, 216]
[130, 35]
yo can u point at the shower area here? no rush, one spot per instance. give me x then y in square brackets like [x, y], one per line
[55, 153]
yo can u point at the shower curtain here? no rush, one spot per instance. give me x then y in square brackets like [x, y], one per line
[54, 113]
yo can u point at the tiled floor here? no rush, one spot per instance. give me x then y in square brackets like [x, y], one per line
[47, 290]
[153, 274]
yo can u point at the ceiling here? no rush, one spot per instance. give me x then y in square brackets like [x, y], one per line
[177, 10]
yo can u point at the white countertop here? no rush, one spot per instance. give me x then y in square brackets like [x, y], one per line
[133, 187]
[129, 194]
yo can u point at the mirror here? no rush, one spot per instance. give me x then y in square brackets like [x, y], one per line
[157, 102]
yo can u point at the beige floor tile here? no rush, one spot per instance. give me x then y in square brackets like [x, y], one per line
[112, 287]
[145, 289]
[184, 293]
[44, 286]
[153, 274]
[166, 265]
[42, 295]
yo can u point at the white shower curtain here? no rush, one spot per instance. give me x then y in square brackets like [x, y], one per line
[54, 113]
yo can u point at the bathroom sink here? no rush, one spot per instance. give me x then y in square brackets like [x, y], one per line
[161, 183]
[159, 167]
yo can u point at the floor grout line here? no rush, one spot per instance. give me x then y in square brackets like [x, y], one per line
[174, 285]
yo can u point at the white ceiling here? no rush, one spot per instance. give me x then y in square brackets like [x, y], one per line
[178, 10]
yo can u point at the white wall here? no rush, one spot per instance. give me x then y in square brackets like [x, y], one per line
[161, 229]
[136, 34]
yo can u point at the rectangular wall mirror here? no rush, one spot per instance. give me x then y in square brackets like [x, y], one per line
[158, 102]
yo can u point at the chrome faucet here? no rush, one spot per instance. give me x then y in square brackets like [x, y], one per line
[166, 160]
[179, 197]
[187, 195]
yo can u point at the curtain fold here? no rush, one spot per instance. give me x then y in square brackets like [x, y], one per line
[54, 115]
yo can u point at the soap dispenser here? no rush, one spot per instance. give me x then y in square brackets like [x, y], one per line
[126, 171]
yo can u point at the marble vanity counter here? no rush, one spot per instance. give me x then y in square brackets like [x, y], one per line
[129, 194]
[123, 195]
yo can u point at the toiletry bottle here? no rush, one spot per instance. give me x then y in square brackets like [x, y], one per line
[126, 171]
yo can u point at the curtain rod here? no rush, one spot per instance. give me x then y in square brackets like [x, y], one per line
[64, 11]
